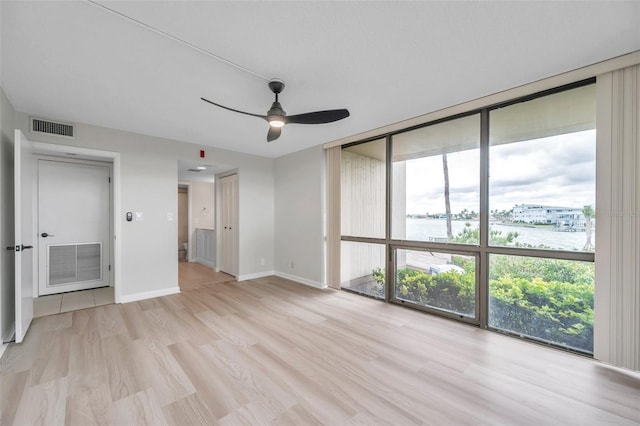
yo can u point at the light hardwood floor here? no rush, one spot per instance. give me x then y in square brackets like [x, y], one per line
[193, 275]
[268, 351]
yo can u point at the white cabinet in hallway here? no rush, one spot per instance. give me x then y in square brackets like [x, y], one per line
[205, 247]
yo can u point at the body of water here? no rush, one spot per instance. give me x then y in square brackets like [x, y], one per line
[436, 230]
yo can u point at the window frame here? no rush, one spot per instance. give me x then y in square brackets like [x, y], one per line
[475, 320]
[482, 250]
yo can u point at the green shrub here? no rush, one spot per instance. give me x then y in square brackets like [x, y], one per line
[559, 312]
[450, 291]
[549, 299]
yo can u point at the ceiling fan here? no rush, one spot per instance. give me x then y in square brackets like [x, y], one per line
[277, 117]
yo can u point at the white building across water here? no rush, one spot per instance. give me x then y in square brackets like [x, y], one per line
[551, 215]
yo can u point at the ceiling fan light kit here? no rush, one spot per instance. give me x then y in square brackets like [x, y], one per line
[276, 121]
[277, 117]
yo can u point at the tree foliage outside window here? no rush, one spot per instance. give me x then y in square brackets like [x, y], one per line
[547, 299]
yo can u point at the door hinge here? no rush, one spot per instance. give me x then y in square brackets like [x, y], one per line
[109, 180]
[109, 267]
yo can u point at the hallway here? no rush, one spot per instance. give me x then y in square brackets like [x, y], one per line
[193, 275]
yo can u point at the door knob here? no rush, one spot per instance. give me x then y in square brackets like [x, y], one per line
[21, 247]
[45, 235]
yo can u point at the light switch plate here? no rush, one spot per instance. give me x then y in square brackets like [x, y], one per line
[139, 216]
[169, 216]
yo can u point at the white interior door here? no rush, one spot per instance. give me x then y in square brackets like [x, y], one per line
[24, 187]
[73, 225]
[229, 225]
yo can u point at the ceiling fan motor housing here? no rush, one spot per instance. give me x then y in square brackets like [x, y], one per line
[276, 85]
[276, 111]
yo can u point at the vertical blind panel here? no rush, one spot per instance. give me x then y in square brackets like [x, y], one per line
[333, 158]
[617, 296]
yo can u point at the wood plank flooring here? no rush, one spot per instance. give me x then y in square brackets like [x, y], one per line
[194, 275]
[269, 351]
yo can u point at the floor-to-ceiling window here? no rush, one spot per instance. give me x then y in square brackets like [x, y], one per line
[542, 162]
[486, 217]
[435, 196]
[363, 217]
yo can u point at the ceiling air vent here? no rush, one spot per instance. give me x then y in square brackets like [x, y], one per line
[51, 127]
[194, 170]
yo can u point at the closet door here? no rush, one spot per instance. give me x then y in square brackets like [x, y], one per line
[228, 232]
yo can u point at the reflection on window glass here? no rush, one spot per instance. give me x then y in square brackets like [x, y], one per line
[542, 172]
[443, 281]
[362, 268]
[436, 189]
[547, 299]
[363, 182]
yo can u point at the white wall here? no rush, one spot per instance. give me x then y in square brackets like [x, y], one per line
[256, 209]
[202, 197]
[7, 292]
[149, 177]
[300, 215]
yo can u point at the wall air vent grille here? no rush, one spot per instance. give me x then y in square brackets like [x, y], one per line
[52, 128]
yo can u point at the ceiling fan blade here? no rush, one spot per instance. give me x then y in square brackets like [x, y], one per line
[318, 117]
[264, 117]
[274, 133]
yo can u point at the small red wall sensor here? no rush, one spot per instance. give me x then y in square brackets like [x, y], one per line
[201, 153]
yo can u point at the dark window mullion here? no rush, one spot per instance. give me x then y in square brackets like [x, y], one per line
[389, 277]
[482, 295]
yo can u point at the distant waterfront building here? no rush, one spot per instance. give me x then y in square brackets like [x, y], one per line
[551, 215]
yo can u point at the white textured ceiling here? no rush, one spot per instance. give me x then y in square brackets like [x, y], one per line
[384, 61]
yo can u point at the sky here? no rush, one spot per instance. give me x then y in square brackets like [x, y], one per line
[556, 171]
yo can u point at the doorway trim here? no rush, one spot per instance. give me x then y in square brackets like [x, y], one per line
[41, 287]
[41, 148]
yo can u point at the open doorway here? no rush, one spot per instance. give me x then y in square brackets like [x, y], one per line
[94, 278]
[198, 205]
[183, 222]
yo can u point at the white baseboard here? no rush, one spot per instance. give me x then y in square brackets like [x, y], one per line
[301, 280]
[254, 276]
[205, 262]
[295, 278]
[9, 336]
[125, 298]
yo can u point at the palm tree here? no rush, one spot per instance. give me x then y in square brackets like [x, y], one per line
[447, 202]
[588, 213]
